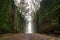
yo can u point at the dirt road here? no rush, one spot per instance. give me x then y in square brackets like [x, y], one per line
[23, 36]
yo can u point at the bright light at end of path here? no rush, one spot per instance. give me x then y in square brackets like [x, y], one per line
[29, 28]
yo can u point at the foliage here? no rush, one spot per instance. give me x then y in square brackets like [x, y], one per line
[48, 17]
[4, 15]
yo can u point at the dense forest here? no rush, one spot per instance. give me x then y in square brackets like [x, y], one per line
[48, 17]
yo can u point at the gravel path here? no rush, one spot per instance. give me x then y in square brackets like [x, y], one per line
[28, 37]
